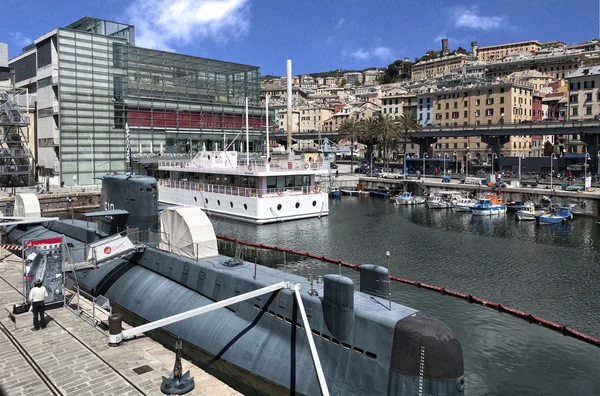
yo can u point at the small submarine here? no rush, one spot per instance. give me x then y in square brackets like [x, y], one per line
[366, 345]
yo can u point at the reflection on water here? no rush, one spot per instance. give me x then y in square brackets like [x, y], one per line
[550, 270]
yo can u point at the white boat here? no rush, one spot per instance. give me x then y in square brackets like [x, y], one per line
[464, 204]
[406, 198]
[486, 207]
[528, 212]
[439, 202]
[256, 191]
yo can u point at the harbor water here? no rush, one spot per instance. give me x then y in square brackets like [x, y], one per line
[548, 270]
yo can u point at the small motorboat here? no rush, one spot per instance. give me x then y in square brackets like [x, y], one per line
[527, 212]
[439, 202]
[380, 193]
[550, 218]
[488, 207]
[564, 212]
[334, 192]
[464, 204]
[406, 198]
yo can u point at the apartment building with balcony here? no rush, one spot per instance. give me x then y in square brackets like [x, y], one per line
[486, 104]
[281, 120]
[495, 52]
[370, 76]
[584, 93]
[439, 67]
[333, 123]
[425, 108]
[329, 81]
[555, 64]
[312, 117]
[353, 78]
[398, 101]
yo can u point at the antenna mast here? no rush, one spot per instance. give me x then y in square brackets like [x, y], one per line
[267, 128]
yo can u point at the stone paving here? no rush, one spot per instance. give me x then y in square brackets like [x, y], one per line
[66, 357]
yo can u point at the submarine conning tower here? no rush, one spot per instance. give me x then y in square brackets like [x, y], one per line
[136, 195]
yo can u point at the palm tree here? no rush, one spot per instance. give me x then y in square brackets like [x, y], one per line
[407, 123]
[370, 132]
[387, 133]
[351, 130]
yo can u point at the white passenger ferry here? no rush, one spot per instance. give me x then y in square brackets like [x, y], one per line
[256, 191]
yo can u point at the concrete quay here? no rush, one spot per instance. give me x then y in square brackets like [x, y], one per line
[70, 357]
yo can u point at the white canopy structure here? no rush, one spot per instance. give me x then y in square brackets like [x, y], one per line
[27, 205]
[187, 231]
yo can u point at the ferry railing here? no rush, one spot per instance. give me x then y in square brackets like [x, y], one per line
[252, 166]
[239, 191]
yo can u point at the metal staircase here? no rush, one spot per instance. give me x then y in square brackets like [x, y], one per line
[15, 154]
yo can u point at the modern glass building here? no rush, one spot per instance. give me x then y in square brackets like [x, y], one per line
[96, 91]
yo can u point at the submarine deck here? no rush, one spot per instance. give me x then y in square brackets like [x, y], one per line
[71, 359]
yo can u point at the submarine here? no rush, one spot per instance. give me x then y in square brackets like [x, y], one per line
[366, 344]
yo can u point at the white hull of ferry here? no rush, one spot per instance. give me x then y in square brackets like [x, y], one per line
[264, 210]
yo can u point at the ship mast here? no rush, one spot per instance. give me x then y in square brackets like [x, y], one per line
[247, 144]
[267, 129]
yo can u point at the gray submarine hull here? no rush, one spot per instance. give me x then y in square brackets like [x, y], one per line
[262, 342]
[364, 348]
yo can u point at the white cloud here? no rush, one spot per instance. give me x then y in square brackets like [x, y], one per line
[19, 39]
[383, 53]
[379, 52]
[360, 54]
[340, 23]
[161, 24]
[470, 19]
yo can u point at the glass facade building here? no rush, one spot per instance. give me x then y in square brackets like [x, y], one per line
[96, 91]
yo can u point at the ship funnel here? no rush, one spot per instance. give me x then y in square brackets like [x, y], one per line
[374, 280]
[338, 305]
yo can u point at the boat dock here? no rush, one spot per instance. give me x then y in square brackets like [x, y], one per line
[71, 357]
[587, 203]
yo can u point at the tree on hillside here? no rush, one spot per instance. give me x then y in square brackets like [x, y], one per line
[342, 82]
[398, 70]
[351, 130]
[431, 54]
[407, 123]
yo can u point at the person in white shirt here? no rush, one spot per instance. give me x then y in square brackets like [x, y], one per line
[37, 295]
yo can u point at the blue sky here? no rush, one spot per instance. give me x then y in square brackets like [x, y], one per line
[318, 35]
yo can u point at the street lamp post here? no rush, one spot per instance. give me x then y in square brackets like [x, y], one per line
[424, 156]
[467, 164]
[445, 159]
[587, 157]
[520, 157]
[372, 154]
[552, 156]
[455, 155]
